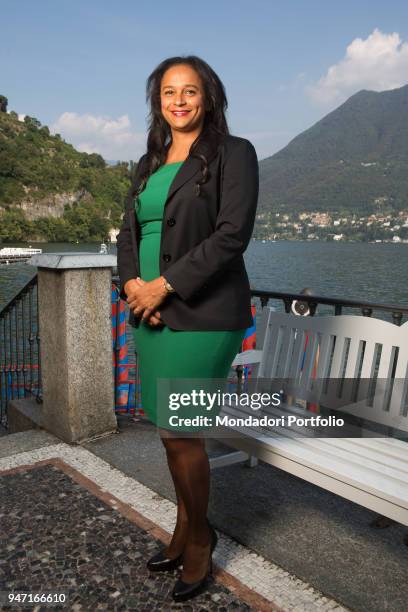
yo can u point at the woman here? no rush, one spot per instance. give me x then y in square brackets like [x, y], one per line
[189, 216]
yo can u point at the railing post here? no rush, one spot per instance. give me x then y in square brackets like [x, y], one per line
[74, 309]
[397, 318]
[288, 304]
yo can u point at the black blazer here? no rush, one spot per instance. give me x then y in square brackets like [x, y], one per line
[202, 241]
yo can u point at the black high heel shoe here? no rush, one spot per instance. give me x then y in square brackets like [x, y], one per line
[186, 590]
[160, 563]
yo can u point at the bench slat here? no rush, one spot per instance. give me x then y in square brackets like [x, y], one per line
[353, 358]
[383, 446]
[372, 458]
[367, 369]
[297, 355]
[287, 349]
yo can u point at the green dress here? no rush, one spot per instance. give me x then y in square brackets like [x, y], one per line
[165, 353]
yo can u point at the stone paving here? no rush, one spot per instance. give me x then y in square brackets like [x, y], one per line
[57, 535]
[69, 520]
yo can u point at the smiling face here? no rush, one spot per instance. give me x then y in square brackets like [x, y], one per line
[182, 98]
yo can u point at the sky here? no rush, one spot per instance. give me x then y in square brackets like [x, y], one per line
[80, 66]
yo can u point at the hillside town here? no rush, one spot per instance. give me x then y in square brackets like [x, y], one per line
[376, 227]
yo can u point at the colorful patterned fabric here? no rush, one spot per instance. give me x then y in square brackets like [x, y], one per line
[249, 341]
[127, 387]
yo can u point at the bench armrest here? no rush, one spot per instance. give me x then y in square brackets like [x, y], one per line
[247, 358]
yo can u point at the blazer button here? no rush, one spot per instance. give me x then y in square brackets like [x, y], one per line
[171, 221]
[166, 256]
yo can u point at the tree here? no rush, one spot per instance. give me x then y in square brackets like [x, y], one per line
[32, 122]
[92, 160]
[14, 227]
[3, 104]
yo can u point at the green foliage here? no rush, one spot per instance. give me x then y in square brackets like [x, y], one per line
[92, 161]
[35, 165]
[14, 226]
[32, 123]
[3, 104]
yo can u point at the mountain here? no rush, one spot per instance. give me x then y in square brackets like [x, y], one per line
[355, 159]
[50, 191]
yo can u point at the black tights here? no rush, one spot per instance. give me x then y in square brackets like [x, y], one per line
[189, 467]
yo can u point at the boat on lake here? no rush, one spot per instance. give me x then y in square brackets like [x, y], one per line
[12, 254]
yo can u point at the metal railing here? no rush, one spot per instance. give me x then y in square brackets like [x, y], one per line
[20, 364]
[338, 306]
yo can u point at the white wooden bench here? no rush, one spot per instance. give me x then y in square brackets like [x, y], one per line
[370, 470]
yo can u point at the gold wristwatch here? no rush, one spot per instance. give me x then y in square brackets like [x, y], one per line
[167, 286]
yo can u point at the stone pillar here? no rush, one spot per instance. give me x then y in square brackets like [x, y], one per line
[74, 302]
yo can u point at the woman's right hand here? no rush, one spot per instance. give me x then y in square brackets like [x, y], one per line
[155, 319]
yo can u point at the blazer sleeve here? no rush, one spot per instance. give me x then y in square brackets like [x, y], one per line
[233, 229]
[125, 256]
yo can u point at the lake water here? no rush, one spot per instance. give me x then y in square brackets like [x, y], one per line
[367, 272]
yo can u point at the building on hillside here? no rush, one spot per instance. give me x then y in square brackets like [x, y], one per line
[113, 234]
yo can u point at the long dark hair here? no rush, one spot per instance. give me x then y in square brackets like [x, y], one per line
[214, 129]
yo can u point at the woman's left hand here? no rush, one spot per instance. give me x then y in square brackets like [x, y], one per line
[147, 298]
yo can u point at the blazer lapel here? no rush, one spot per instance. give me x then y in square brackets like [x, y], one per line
[190, 167]
[187, 170]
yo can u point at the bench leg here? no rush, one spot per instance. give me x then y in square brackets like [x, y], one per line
[252, 461]
[232, 458]
[381, 522]
[228, 459]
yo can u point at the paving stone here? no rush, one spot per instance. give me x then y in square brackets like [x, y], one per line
[59, 536]
[271, 581]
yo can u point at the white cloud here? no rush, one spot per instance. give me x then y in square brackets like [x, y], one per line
[111, 138]
[379, 62]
